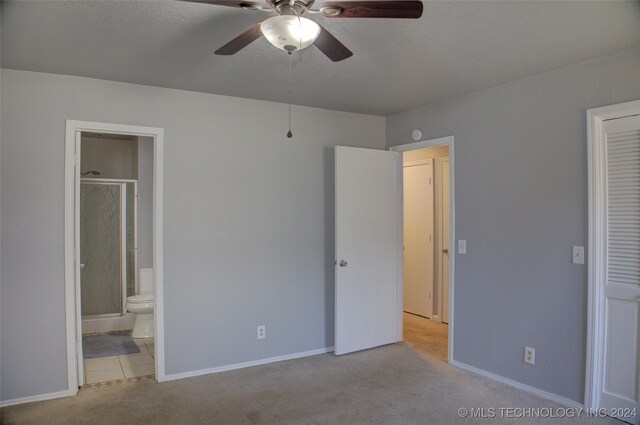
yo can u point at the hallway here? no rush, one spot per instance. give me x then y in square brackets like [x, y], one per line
[426, 337]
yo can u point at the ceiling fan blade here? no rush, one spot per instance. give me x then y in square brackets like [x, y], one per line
[331, 47]
[251, 5]
[372, 9]
[241, 41]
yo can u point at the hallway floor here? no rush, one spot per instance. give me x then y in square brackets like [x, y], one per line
[426, 337]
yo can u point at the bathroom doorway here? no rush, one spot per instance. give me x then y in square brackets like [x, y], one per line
[116, 297]
[113, 249]
[428, 237]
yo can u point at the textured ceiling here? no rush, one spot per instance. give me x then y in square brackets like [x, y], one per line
[455, 48]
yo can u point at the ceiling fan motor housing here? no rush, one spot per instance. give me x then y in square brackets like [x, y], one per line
[286, 7]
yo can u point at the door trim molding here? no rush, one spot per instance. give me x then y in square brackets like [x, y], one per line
[73, 317]
[597, 243]
[431, 143]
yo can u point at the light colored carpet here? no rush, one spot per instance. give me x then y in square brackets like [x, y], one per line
[394, 384]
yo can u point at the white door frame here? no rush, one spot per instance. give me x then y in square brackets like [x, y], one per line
[449, 142]
[71, 241]
[597, 244]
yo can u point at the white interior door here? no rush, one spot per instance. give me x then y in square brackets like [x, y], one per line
[620, 372]
[444, 236]
[368, 214]
[418, 214]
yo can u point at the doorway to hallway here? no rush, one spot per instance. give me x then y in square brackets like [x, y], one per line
[427, 241]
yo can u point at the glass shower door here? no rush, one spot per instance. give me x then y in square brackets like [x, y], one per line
[102, 224]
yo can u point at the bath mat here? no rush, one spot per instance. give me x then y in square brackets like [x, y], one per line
[111, 344]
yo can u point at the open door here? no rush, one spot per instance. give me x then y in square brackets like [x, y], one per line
[620, 383]
[368, 208]
[418, 238]
[444, 237]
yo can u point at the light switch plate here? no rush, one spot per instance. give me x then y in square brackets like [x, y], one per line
[462, 246]
[578, 254]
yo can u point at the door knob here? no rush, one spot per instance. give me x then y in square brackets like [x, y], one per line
[445, 250]
[342, 263]
[82, 265]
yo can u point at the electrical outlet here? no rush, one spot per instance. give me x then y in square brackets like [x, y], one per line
[529, 355]
[262, 332]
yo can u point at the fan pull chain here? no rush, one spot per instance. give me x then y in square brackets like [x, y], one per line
[290, 53]
[289, 133]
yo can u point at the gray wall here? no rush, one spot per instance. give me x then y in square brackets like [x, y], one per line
[521, 203]
[247, 233]
[145, 201]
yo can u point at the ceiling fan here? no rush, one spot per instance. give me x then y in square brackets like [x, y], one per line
[290, 31]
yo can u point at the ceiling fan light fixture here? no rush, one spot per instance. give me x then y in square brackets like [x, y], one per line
[289, 32]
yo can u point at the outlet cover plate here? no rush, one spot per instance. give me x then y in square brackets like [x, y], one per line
[529, 355]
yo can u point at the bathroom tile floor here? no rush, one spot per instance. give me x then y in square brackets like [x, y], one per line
[121, 367]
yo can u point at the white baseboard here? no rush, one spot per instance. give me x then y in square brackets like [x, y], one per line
[540, 393]
[41, 397]
[218, 369]
[175, 376]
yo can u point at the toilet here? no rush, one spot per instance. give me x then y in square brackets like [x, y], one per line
[142, 306]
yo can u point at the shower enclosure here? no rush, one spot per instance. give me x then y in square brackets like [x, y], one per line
[108, 245]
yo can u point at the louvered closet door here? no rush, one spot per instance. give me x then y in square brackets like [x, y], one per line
[620, 384]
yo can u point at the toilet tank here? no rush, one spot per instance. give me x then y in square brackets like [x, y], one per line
[146, 281]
